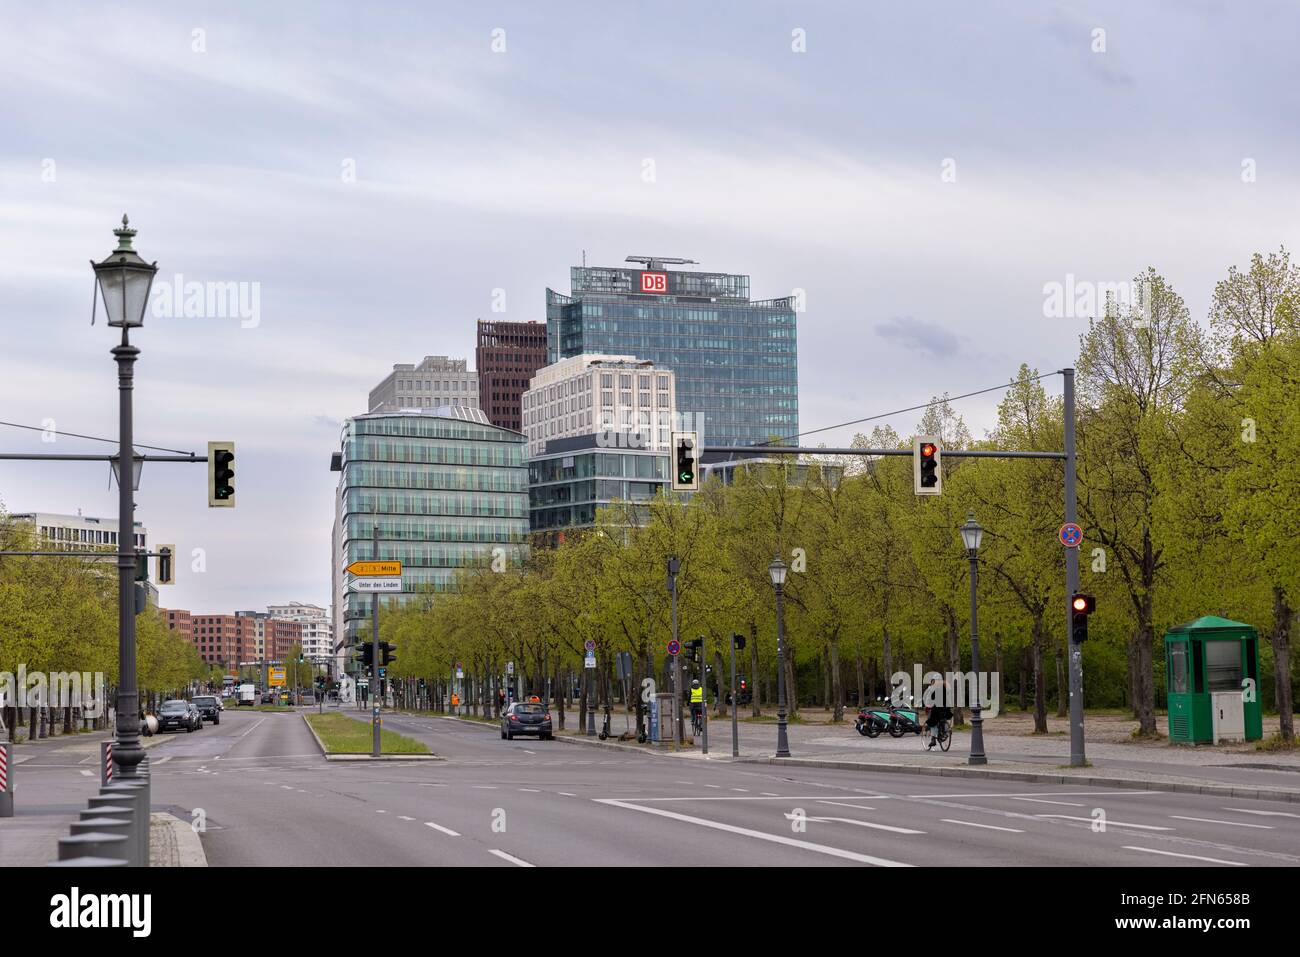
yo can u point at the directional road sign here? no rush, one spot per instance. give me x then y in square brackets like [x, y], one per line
[375, 569]
[375, 584]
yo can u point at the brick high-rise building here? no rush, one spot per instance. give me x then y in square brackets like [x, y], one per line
[507, 356]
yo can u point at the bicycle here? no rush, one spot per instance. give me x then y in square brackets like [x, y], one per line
[697, 721]
[942, 734]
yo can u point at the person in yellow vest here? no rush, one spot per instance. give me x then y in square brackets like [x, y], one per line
[455, 701]
[697, 703]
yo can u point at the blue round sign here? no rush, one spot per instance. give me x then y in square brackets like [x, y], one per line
[674, 647]
[1071, 535]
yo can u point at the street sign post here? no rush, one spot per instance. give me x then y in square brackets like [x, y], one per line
[674, 647]
[375, 569]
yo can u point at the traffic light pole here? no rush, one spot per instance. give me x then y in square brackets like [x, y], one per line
[1077, 757]
[375, 726]
[679, 738]
[704, 698]
[735, 703]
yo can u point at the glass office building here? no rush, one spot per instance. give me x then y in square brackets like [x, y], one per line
[735, 359]
[576, 476]
[447, 490]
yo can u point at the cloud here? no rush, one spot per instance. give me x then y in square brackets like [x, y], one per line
[919, 335]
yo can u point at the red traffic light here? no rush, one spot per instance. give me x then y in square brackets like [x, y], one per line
[928, 449]
[1083, 604]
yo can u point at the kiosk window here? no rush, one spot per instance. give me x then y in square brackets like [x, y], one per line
[1223, 665]
[1178, 668]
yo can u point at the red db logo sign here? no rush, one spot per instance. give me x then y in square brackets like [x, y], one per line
[654, 282]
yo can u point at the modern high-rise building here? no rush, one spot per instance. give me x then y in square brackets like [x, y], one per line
[622, 400]
[316, 628]
[445, 488]
[437, 381]
[506, 357]
[735, 359]
[574, 477]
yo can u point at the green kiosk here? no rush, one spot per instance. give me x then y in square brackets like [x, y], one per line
[1208, 662]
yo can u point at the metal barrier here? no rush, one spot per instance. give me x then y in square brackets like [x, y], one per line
[113, 831]
[6, 783]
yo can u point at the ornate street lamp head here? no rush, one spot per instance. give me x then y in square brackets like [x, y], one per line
[124, 280]
[971, 533]
[778, 570]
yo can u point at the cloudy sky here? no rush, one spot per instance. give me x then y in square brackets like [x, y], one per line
[374, 172]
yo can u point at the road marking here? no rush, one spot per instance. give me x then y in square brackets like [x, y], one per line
[511, 858]
[526, 751]
[1109, 823]
[530, 790]
[284, 786]
[433, 785]
[445, 830]
[849, 820]
[1110, 794]
[1243, 810]
[757, 835]
[1045, 801]
[164, 760]
[380, 811]
[769, 794]
[741, 790]
[860, 807]
[1192, 857]
[990, 827]
[1208, 820]
[484, 787]
[567, 794]
[405, 818]
[716, 786]
[683, 782]
[86, 774]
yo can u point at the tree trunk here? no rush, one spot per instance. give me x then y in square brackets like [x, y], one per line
[889, 657]
[1062, 686]
[722, 678]
[1145, 675]
[837, 684]
[791, 686]
[559, 696]
[1040, 686]
[1023, 685]
[754, 683]
[997, 661]
[1283, 615]
[862, 688]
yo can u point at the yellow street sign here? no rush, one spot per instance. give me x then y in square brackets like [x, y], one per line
[276, 678]
[375, 569]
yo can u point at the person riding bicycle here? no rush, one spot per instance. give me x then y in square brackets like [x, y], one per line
[937, 711]
[697, 703]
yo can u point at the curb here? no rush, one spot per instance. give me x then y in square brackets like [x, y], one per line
[355, 756]
[188, 846]
[1221, 790]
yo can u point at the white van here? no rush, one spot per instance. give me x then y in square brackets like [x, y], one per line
[247, 695]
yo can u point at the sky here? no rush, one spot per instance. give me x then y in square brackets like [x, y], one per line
[372, 178]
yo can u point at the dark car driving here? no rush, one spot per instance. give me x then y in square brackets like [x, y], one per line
[526, 717]
[178, 715]
[209, 706]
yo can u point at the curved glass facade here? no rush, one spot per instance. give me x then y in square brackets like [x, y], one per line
[447, 492]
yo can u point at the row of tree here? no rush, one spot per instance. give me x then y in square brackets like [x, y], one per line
[1189, 494]
[59, 614]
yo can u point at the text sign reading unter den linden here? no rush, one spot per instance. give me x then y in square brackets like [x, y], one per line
[375, 584]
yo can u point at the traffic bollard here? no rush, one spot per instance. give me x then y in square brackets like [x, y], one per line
[6, 783]
[89, 862]
[108, 825]
[134, 793]
[106, 763]
[94, 844]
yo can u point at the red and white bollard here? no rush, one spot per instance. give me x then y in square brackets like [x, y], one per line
[106, 764]
[6, 783]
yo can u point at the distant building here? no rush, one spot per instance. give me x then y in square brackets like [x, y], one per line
[317, 629]
[447, 490]
[626, 402]
[506, 357]
[735, 358]
[76, 532]
[437, 381]
[229, 640]
[575, 476]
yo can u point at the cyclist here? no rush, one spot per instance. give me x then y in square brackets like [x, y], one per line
[936, 712]
[697, 704]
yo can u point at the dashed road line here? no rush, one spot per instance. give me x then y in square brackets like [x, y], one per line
[511, 858]
[1209, 820]
[1109, 823]
[1192, 857]
[445, 830]
[989, 827]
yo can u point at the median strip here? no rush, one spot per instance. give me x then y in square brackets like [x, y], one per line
[342, 738]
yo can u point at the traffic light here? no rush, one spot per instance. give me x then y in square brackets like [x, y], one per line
[166, 571]
[388, 653]
[685, 454]
[695, 648]
[738, 642]
[927, 469]
[142, 566]
[1081, 606]
[365, 655]
[221, 474]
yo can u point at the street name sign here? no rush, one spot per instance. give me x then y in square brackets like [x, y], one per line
[375, 584]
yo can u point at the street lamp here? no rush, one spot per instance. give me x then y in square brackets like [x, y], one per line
[123, 281]
[971, 535]
[778, 570]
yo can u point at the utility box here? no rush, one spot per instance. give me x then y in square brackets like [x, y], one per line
[1212, 682]
[662, 719]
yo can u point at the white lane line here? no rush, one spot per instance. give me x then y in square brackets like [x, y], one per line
[164, 760]
[757, 835]
[445, 830]
[526, 751]
[86, 774]
[531, 790]
[1245, 810]
[484, 787]
[682, 782]
[990, 827]
[511, 858]
[1045, 801]
[715, 786]
[850, 820]
[283, 786]
[433, 785]
[994, 794]
[860, 807]
[768, 794]
[379, 811]
[567, 794]
[1190, 857]
[1109, 822]
[403, 817]
[741, 790]
[1210, 820]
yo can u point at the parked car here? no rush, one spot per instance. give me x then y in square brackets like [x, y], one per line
[179, 715]
[209, 707]
[526, 717]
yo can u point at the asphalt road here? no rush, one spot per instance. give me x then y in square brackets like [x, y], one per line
[266, 797]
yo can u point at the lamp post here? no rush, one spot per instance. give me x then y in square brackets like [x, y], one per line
[971, 534]
[123, 280]
[778, 570]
